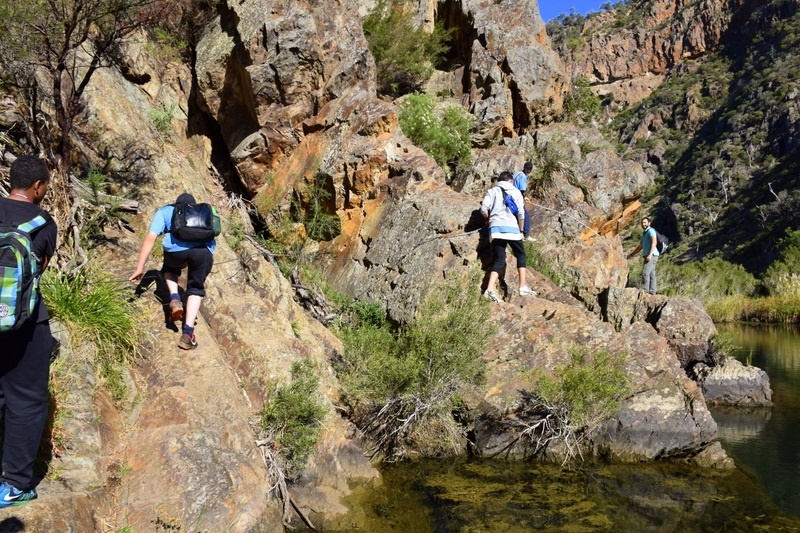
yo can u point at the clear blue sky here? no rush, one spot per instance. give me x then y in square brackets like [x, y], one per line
[550, 9]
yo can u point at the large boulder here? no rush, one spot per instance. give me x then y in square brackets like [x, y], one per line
[733, 383]
[683, 322]
[513, 80]
[664, 416]
[264, 67]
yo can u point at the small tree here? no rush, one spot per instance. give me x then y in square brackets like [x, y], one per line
[67, 40]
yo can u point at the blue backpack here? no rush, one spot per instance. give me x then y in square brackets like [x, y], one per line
[509, 202]
[19, 276]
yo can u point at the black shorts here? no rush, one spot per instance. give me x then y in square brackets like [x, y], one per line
[499, 254]
[199, 262]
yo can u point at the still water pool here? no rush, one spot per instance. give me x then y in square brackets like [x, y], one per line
[763, 494]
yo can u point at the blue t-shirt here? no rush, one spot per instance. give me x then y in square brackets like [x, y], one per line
[647, 241]
[161, 225]
[521, 181]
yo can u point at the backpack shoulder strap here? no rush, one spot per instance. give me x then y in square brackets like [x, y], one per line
[32, 225]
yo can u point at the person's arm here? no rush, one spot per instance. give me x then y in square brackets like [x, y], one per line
[521, 211]
[486, 205]
[144, 253]
[636, 251]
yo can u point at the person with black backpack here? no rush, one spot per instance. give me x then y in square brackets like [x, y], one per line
[24, 325]
[189, 229]
[650, 254]
[502, 208]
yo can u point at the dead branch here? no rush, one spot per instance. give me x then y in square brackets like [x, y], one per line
[278, 486]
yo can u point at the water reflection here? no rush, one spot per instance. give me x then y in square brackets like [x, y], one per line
[763, 494]
[488, 496]
[771, 457]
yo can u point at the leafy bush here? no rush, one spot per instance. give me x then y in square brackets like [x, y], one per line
[309, 217]
[403, 385]
[581, 103]
[320, 224]
[782, 278]
[161, 118]
[578, 396]
[548, 161]
[706, 280]
[591, 390]
[446, 138]
[94, 308]
[541, 263]
[404, 54]
[292, 417]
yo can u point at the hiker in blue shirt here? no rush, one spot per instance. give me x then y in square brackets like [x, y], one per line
[196, 256]
[521, 183]
[650, 256]
[505, 229]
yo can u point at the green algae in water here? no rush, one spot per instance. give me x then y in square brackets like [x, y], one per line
[486, 496]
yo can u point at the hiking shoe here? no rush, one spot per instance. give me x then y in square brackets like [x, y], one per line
[526, 291]
[9, 495]
[530, 238]
[187, 342]
[491, 295]
[175, 310]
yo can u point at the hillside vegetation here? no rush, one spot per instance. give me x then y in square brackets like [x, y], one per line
[720, 137]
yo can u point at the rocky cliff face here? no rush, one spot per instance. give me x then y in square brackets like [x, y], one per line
[628, 51]
[289, 92]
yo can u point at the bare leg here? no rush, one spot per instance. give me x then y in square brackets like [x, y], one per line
[172, 282]
[192, 308]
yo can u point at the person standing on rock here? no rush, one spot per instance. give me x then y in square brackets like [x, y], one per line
[649, 254]
[505, 229]
[25, 361]
[521, 183]
[198, 257]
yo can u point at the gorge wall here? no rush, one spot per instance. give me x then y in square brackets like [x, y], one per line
[287, 92]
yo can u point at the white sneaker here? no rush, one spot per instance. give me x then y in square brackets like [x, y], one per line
[531, 239]
[526, 291]
[491, 295]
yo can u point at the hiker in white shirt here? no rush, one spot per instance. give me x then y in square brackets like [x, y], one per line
[505, 229]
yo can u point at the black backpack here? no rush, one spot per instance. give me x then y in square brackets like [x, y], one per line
[194, 222]
[662, 242]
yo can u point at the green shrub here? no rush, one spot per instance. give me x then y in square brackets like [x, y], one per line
[706, 280]
[581, 103]
[161, 119]
[404, 54]
[320, 224]
[94, 308]
[236, 233]
[311, 216]
[542, 263]
[446, 138]
[403, 384]
[548, 161]
[782, 278]
[292, 418]
[589, 390]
